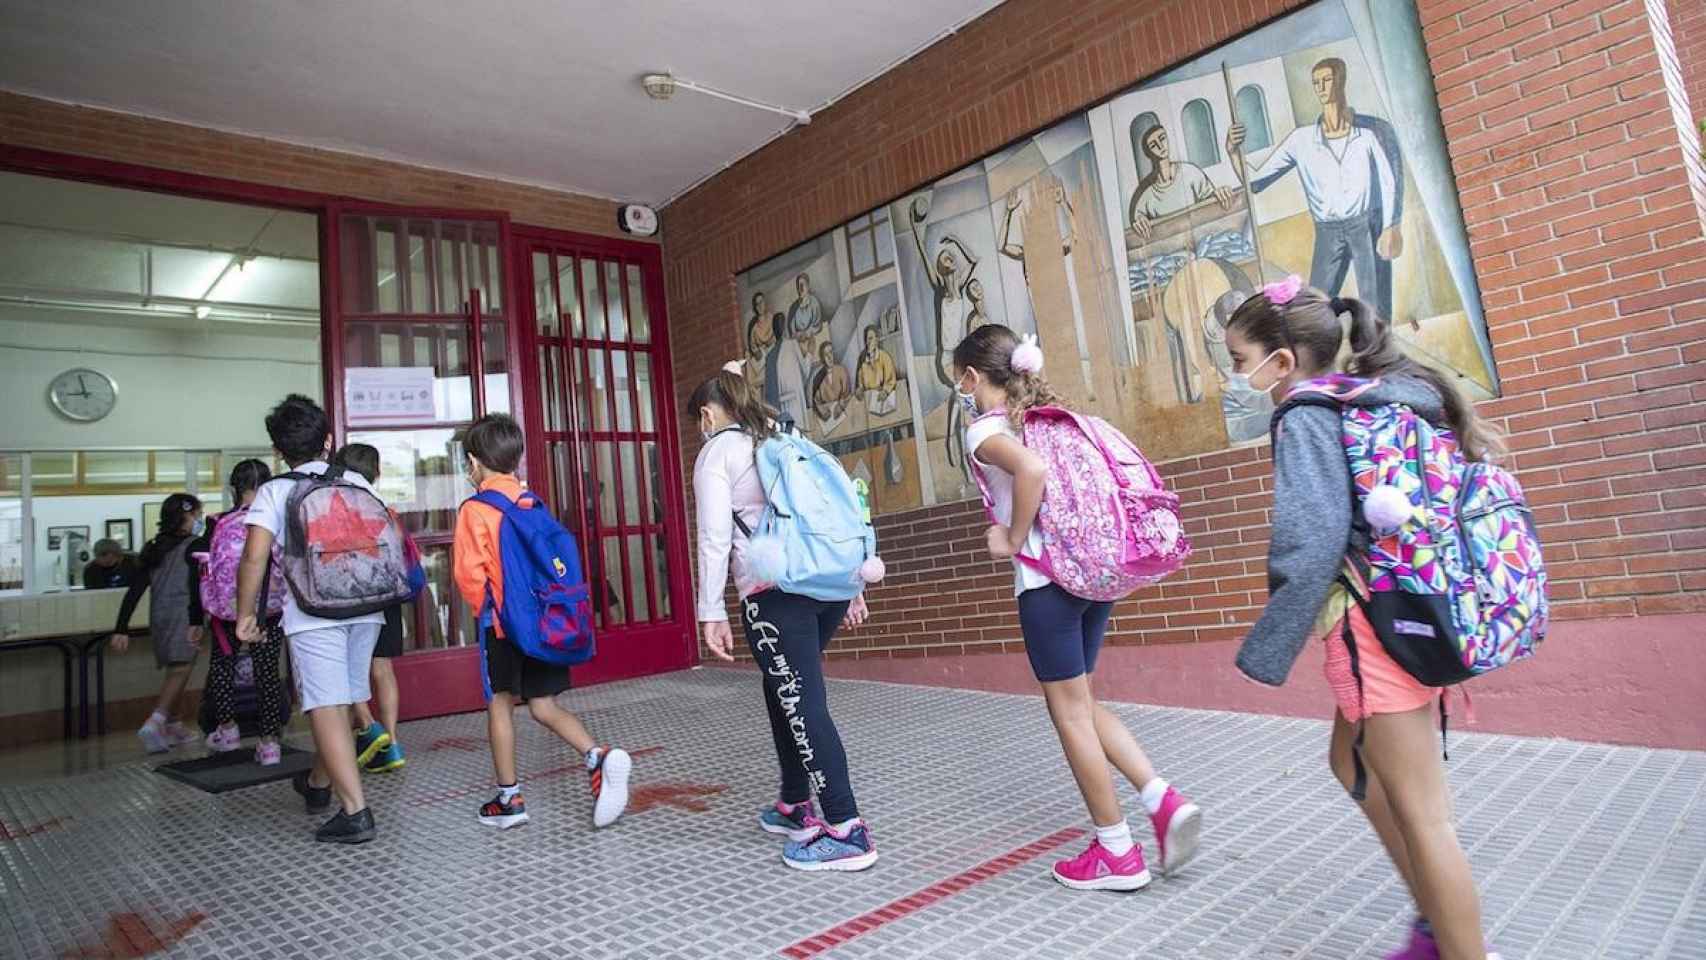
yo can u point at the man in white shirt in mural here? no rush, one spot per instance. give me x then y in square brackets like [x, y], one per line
[1353, 179]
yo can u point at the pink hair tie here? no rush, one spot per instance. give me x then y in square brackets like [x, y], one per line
[1027, 356]
[1282, 291]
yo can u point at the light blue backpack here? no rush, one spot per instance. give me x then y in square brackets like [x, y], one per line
[814, 538]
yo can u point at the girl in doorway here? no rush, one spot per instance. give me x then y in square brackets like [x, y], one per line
[246, 479]
[998, 378]
[786, 633]
[167, 570]
[1278, 339]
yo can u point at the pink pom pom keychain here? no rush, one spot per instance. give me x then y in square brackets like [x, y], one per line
[1386, 508]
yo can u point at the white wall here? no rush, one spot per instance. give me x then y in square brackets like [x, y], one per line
[196, 385]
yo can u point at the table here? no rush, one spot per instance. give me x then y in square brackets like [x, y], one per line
[66, 647]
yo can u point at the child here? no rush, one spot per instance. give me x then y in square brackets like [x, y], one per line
[1280, 338]
[167, 569]
[787, 634]
[494, 444]
[377, 748]
[329, 658]
[246, 479]
[997, 379]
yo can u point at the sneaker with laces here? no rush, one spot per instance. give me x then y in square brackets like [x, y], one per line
[390, 758]
[1178, 827]
[609, 782]
[180, 734]
[225, 738]
[154, 737]
[1421, 945]
[503, 815]
[369, 742]
[1097, 869]
[268, 753]
[347, 827]
[822, 848]
[793, 825]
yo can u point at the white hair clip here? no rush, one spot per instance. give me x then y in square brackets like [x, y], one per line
[1027, 356]
[735, 367]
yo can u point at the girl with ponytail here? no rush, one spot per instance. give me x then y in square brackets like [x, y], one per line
[786, 633]
[998, 377]
[1282, 337]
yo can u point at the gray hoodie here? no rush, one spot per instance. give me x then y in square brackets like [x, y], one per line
[1314, 523]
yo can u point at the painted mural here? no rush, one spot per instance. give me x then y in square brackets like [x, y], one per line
[1124, 238]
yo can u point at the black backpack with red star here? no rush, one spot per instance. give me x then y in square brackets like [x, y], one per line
[344, 554]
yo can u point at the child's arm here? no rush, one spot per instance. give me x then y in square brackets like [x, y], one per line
[1006, 453]
[468, 558]
[1306, 547]
[257, 551]
[713, 504]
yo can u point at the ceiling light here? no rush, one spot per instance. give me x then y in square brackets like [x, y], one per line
[662, 86]
[202, 310]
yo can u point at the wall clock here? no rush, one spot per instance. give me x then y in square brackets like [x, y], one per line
[83, 395]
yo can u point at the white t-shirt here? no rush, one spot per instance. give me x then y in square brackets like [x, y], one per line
[268, 513]
[1000, 484]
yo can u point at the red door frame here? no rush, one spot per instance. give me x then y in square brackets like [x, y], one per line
[438, 680]
[653, 648]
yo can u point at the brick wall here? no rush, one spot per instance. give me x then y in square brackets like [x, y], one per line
[1688, 31]
[126, 138]
[1585, 221]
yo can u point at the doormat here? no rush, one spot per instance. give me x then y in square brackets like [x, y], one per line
[235, 770]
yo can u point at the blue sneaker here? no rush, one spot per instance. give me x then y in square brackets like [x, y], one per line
[791, 825]
[369, 742]
[390, 758]
[825, 849]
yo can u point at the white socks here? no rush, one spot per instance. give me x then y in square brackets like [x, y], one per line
[1116, 839]
[593, 756]
[506, 794]
[1153, 793]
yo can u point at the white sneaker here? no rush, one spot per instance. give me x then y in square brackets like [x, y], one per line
[154, 737]
[180, 734]
[610, 787]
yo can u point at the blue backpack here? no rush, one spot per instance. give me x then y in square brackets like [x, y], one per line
[814, 538]
[546, 610]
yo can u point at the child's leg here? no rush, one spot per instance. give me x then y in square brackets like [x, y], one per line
[562, 723]
[1121, 748]
[361, 716]
[1073, 711]
[334, 759]
[1375, 807]
[385, 694]
[172, 689]
[1401, 750]
[221, 686]
[795, 788]
[264, 655]
[500, 730]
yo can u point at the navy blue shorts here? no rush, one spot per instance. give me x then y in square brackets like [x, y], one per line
[1063, 633]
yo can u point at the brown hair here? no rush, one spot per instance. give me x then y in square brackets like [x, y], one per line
[1308, 325]
[739, 399]
[989, 351]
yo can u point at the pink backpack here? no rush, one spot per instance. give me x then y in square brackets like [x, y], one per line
[219, 569]
[1109, 526]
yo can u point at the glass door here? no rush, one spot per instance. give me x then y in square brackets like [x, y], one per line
[603, 443]
[419, 346]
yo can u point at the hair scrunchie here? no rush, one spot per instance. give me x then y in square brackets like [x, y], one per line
[1281, 292]
[1027, 357]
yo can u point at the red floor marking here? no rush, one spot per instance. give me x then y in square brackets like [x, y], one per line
[128, 935]
[8, 834]
[682, 796]
[458, 743]
[531, 777]
[941, 890]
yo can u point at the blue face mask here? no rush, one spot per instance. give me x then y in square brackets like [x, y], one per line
[199, 526]
[1241, 381]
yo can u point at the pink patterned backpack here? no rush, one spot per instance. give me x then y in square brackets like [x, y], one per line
[219, 569]
[1109, 526]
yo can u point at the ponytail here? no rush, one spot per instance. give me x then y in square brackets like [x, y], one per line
[738, 398]
[1375, 353]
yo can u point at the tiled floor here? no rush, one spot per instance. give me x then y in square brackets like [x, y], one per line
[1584, 851]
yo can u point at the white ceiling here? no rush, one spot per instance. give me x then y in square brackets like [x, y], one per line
[534, 91]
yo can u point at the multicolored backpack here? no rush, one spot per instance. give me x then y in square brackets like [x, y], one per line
[1109, 525]
[219, 570]
[546, 609]
[344, 555]
[1456, 583]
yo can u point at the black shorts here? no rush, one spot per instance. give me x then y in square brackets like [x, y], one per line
[513, 672]
[391, 635]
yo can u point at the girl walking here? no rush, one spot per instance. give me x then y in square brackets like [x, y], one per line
[787, 634]
[997, 378]
[167, 570]
[1285, 336]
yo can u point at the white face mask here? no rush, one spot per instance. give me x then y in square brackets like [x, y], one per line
[199, 526]
[966, 399]
[1241, 381]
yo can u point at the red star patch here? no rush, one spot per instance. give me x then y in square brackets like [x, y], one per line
[342, 529]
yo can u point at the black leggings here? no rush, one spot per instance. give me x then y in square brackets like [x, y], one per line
[787, 635]
[222, 676]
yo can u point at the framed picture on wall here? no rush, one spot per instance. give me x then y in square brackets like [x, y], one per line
[56, 536]
[122, 531]
[151, 516]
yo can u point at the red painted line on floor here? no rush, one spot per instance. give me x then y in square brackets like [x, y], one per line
[531, 777]
[941, 890]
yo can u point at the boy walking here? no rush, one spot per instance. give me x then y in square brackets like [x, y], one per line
[494, 445]
[329, 657]
[377, 748]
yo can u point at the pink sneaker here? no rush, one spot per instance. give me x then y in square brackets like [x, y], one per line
[1097, 869]
[180, 734]
[1420, 947]
[225, 739]
[268, 753]
[1178, 825]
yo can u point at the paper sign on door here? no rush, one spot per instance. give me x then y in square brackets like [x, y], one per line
[390, 395]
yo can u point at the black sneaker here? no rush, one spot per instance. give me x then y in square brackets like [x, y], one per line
[496, 813]
[347, 827]
[315, 799]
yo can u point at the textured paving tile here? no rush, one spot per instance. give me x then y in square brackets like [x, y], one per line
[1583, 851]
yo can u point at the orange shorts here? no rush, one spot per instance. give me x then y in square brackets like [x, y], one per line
[1386, 686]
